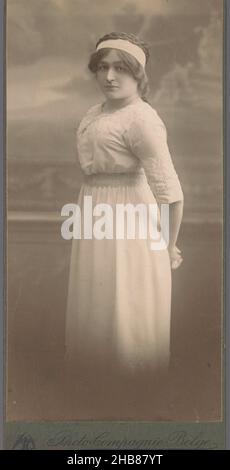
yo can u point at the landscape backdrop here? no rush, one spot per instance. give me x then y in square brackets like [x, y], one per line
[49, 88]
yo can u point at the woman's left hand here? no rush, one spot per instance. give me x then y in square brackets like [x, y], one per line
[175, 257]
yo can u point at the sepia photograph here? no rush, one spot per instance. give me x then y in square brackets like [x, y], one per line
[114, 181]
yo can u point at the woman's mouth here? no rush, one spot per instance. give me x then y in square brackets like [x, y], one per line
[111, 87]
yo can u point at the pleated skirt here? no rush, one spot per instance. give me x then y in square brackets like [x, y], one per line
[119, 290]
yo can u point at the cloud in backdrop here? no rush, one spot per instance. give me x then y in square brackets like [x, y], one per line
[59, 27]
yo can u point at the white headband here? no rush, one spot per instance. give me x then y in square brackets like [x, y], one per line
[126, 46]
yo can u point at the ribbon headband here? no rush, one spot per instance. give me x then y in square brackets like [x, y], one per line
[126, 46]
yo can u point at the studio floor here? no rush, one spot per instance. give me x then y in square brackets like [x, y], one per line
[37, 387]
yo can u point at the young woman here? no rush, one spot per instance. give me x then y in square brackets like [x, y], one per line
[119, 292]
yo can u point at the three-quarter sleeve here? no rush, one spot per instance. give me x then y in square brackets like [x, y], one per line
[147, 138]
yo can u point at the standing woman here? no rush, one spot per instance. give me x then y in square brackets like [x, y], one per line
[119, 292]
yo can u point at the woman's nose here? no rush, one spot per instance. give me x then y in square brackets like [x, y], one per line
[110, 74]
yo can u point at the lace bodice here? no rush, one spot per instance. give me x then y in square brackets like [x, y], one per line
[130, 139]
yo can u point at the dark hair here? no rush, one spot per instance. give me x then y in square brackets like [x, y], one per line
[134, 67]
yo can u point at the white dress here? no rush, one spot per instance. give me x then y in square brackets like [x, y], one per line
[119, 291]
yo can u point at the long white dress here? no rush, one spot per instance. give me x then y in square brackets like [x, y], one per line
[119, 291]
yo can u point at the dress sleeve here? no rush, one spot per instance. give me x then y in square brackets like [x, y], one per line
[147, 138]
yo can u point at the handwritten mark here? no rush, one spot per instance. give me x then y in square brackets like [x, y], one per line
[24, 442]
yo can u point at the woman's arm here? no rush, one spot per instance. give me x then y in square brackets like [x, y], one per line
[175, 218]
[147, 138]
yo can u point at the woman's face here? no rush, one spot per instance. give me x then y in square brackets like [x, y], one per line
[114, 78]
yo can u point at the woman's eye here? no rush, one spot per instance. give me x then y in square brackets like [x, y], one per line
[117, 68]
[102, 67]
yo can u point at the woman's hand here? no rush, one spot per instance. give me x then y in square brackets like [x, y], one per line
[175, 257]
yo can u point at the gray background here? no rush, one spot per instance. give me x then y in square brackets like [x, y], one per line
[22, 133]
[227, 221]
[2, 219]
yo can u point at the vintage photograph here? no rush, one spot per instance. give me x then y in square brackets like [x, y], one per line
[115, 210]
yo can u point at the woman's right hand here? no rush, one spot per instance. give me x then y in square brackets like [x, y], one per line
[175, 257]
